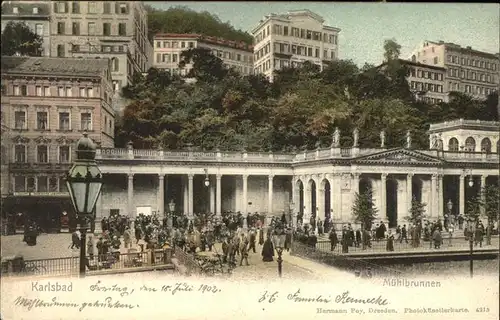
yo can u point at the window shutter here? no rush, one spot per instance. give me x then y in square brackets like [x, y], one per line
[66, 7]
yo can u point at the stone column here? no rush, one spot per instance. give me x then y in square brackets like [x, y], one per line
[161, 196]
[320, 202]
[130, 189]
[307, 202]
[433, 210]
[218, 195]
[190, 194]
[336, 196]
[461, 206]
[383, 196]
[98, 215]
[244, 208]
[482, 194]
[294, 197]
[409, 193]
[212, 197]
[185, 206]
[440, 202]
[355, 184]
[270, 194]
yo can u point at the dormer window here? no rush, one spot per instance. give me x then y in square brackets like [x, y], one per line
[15, 10]
[35, 10]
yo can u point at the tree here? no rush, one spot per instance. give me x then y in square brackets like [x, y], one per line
[392, 50]
[417, 211]
[181, 19]
[473, 209]
[205, 66]
[364, 210]
[491, 205]
[18, 39]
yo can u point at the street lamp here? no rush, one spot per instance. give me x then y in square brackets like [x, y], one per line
[207, 181]
[471, 227]
[171, 209]
[279, 249]
[84, 182]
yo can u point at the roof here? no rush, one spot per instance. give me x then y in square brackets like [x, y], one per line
[25, 9]
[468, 49]
[465, 124]
[207, 39]
[53, 66]
[416, 64]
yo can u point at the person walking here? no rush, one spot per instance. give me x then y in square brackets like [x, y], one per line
[90, 248]
[127, 237]
[244, 251]
[404, 234]
[252, 240]
[75, 240]
[333, 239]
[390, 241]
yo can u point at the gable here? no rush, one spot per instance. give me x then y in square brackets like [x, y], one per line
[399, 156]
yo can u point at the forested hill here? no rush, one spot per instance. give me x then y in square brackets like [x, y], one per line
[185, 20]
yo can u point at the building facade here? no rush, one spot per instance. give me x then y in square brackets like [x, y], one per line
[168, 48]
[467, 70]
[316, 183]
[116, 30]
[35, 14]
[427, 82]
[287, 40]
[47, 103]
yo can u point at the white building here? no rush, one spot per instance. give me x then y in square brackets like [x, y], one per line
[287, 40]
[168, 48]
[467, 70]
[317, 183]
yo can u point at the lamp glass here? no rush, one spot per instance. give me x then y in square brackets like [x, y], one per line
[78, 190]
[471, 183]
[207, 182]
[171, 206]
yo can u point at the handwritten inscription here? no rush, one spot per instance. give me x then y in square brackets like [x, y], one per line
[55, 302]
[343, 298]
[174, 289]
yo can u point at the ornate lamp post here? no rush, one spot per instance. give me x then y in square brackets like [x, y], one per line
[171, 209]
[279, 249]
[84, 182]
[451, 223]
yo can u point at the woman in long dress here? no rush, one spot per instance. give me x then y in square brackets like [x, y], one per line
[268, 250]
[390, 241]
[261, 236]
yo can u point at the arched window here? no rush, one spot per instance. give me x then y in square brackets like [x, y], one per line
[486, 145]
[470, 144]
[453, 144]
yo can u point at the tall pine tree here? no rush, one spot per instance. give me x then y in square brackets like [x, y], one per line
[364, 210]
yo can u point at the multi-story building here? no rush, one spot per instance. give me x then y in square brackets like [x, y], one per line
[104, 29]
[35, 14]
[168, 48]
[467, 70]
[47, 103]
[427, 82]
[287, 40]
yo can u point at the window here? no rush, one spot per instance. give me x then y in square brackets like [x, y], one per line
[90, 92]
[64, 154]
[285, 31]
[39, 29]
[75, 28]
[106, 29]
[107, 7]
[60, 27]
[61, 7]
[62, 185]
[436, 60]
[24, 90]
[69, 92]
[91, 28]
[38, 91]
[453, 144]
[470, 144]
[60, 50]
[15, 10]
[75, 7]
[115, 64]
[42, 154]
[20, 120]
[64, 123]
[20, 153]
[60, 91]
[42, 183]
[92, 7]
[19, 183]
[122, 29]
[82, 92]
[86, 121]
[123, 8]
[42, 120]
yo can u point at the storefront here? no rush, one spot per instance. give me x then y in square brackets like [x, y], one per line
[51, 211]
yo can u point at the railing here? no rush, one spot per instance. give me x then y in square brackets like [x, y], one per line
[69, 266]
[283, 158]
[359, 267]
[188, 261]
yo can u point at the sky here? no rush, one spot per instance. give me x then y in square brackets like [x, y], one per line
[365, 26]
